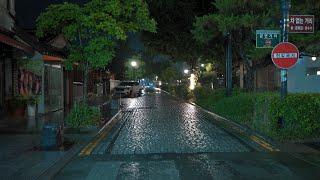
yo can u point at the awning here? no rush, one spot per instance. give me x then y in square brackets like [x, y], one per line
[14, 43]
[52, 58]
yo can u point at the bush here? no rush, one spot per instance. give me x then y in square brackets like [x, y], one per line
[83, 115]
[207, 97]
[237, 107]
[300, 113]
[262, 111]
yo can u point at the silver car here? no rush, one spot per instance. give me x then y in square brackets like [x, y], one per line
[128, 89]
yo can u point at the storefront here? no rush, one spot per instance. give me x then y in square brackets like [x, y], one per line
[10, 50]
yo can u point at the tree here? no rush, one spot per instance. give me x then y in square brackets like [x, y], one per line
[308, 43]
[94, 29]
[173, 36]
[170, 75]
[239, 18]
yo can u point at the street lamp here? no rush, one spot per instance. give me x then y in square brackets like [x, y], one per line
[186, 71]
[134, 63]
[202, 65]
[192, 82]
[314, 58]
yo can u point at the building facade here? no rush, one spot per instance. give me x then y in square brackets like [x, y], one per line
[304, 77]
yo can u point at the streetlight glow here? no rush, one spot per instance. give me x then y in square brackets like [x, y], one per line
[134, 63]
[192, 82]
[202, 65]
[186, 71]
[314, 58]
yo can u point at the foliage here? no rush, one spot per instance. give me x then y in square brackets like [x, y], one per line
[307, 42]
[31, 100]
[300, 113]
[173, 36]
[83, 115]
[181, 91]
[170, 75]
[34, 66]
[239, 18]
[94, 29]
[261, 111]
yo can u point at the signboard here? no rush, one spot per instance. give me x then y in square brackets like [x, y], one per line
[285, 55]
[267, 38]
[301, 24]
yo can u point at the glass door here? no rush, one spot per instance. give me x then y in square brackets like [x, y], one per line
[53, 87]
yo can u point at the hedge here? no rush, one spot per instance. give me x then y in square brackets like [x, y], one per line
[263, 111]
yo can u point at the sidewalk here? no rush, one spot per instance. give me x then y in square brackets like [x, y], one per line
[20, 156]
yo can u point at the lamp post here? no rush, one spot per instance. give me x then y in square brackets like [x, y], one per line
[229, 65]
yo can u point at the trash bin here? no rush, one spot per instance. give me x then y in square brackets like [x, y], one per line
[51, 137]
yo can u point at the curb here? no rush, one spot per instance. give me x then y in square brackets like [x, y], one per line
[266, 143]
[50, 172]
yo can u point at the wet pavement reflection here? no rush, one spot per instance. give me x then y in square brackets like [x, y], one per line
[158, 137]
[157, 124]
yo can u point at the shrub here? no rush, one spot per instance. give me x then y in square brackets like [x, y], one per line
[237, 107]
[207, 97]
[300, 113]
[83, 115]
[262, 111]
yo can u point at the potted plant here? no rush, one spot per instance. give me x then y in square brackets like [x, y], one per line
[17, 106]
[31, 102]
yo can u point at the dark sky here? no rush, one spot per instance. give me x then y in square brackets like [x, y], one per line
[27, 11]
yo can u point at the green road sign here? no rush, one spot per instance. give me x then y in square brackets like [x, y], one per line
[267, 38]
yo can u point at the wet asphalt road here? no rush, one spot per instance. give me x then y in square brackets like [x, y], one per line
[157, 137]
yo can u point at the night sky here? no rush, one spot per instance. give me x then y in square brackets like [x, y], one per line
[27, 11]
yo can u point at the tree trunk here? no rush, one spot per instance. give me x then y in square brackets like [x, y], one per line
[249, 77]
[85, 82]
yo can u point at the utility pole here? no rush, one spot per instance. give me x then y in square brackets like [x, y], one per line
[285, 6]
[229, 65]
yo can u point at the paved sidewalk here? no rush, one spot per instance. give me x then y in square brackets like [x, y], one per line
[20, 156]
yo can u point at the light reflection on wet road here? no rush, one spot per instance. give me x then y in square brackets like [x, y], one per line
[157, 124]
[158, 138]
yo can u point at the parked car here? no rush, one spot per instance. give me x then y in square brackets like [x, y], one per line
[129, 89]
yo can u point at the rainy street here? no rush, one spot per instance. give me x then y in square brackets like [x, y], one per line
[158, 137]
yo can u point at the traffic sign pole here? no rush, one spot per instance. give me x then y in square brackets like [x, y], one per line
[285, 38]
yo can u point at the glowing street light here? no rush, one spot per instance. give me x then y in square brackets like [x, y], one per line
[134, 63]
[202, 65]
[186, 71]
[192, 82]
[314, 58]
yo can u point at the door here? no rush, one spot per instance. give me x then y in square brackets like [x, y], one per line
[53, 87]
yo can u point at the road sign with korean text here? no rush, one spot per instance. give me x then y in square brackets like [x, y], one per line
[301, 24]
[267, 38]
[285, 55]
